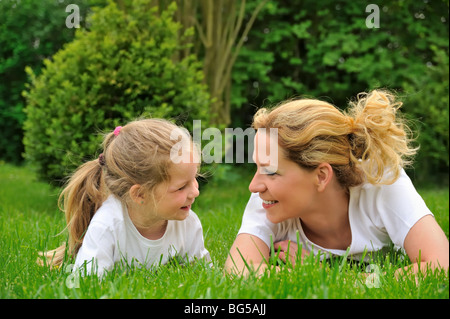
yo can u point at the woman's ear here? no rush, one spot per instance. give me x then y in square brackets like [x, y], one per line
[324, 176]
[136, 194]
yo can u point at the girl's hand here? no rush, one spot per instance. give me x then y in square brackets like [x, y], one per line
[289, 249]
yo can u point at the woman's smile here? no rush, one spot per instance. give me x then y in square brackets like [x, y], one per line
[269, 203]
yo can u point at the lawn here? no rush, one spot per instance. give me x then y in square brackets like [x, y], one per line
[31, 222]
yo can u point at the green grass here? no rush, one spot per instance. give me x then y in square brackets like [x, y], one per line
[30, 222]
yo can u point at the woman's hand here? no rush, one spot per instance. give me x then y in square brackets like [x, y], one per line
[287, 249]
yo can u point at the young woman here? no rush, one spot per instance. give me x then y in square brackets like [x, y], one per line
[339, 183]
[133, 203]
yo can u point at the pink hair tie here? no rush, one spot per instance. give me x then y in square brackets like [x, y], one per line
[117, 130]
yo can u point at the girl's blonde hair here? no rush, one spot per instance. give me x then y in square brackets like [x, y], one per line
[137, 154]
[365, 143]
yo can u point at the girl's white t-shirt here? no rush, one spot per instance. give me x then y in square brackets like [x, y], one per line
[112, 237]
[379, 215]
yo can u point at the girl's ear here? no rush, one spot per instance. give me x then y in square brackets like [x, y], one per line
[136, 194]
[324, 176]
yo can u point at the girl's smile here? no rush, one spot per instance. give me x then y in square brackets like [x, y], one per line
[177, 196]
[186, 208]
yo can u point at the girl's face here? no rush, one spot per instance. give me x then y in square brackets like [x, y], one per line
[287, 190]
[175, 197]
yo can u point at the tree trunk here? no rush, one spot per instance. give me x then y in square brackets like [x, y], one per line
[220, 31]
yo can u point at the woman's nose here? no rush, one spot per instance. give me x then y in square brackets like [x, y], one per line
[257, 185]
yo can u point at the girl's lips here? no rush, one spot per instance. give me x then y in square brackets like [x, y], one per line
[187, 208]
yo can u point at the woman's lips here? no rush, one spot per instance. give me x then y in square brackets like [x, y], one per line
[269, 203]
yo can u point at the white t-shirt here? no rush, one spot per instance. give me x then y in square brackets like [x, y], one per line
[112, 237]
[379, 215]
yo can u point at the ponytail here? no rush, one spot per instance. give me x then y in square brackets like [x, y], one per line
[80, 199]
[379, 137]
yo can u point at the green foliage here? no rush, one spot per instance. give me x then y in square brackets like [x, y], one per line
[325, 50]
[320, 49]
[29, 31]
[427, 102]
[124, 67]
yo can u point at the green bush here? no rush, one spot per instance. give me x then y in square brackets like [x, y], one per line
[427, 102]
[29, 31]
[124, 67]
[324, 49]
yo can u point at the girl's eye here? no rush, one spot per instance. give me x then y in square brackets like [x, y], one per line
[181, 188]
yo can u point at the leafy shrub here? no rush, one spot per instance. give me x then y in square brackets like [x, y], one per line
[124, 67]
[427, 103]
[325, 50]
[29, 31]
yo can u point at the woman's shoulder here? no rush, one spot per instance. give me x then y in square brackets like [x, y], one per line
[403, 184]
[395, 203]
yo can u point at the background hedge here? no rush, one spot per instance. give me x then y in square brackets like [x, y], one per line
[321, 49]
[123, 67]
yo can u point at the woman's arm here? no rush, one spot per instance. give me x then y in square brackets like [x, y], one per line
[247, 250]
[426, 241]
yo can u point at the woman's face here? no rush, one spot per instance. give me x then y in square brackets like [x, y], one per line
[287, 190]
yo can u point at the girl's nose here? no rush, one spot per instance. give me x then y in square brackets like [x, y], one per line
[194, 190]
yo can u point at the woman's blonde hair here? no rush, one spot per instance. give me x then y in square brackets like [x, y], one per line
[369, 142]
[137, 154]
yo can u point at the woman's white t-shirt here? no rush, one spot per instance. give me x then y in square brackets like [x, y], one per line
[112, 237]
[379, 215]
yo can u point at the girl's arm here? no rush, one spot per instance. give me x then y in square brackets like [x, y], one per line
[247, 251]
[426, 241]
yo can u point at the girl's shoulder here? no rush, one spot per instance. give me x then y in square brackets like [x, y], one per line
[192, 220]
[110, 213]
[186, 227]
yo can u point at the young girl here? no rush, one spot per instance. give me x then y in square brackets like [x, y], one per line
[339, 183]
[133, 204]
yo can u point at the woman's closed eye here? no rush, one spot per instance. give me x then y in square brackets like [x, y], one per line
[268, 171]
